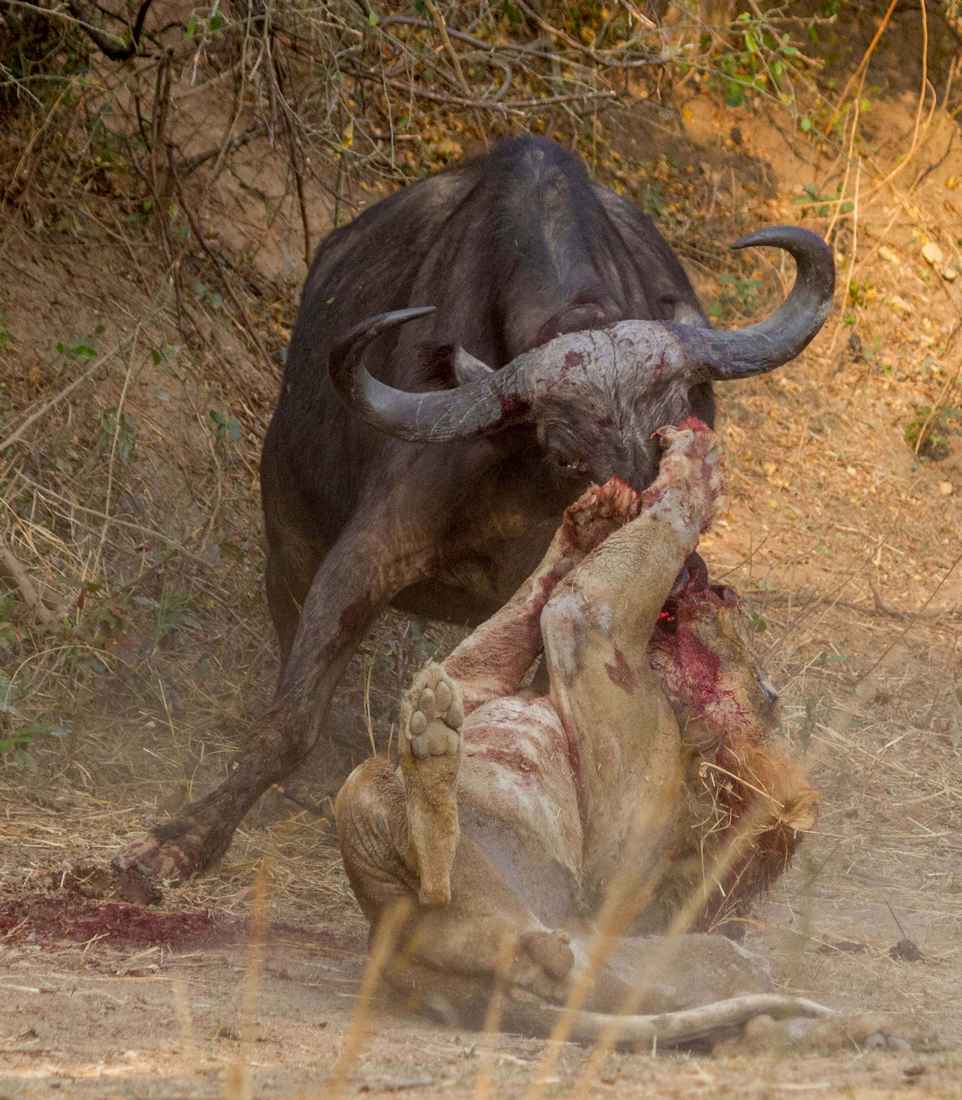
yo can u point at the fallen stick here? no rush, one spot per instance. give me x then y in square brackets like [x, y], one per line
[13, 569]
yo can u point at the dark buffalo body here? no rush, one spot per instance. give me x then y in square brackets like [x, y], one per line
[426, 459]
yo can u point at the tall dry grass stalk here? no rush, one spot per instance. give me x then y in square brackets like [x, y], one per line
[238, 1084]
[492, 1019]
[617, 912]
[727, 856]
[185, 1019]
[385, 941]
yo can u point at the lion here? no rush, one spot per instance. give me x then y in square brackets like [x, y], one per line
[585, 844]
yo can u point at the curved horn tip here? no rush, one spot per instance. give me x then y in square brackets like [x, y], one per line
[781, 236]
[371, 327]
[382, 321]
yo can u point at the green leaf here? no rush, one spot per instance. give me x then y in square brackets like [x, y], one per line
[805, 124]
[8, 693]
[83, 352]
[734, 94]
[373, 19]
[228, 427]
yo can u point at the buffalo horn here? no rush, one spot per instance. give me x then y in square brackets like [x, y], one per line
[780, 337]
[489, 403]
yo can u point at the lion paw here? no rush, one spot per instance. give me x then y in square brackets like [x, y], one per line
[543, 963]
[435, 711]
[599, 511]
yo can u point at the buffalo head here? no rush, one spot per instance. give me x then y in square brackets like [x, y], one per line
[594, 397]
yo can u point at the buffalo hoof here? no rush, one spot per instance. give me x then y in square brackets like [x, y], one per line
[145, 866]
[437, 712]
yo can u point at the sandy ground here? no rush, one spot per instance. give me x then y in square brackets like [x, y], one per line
[204, 1019]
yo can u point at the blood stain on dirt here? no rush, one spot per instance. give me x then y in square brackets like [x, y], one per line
[47, 917]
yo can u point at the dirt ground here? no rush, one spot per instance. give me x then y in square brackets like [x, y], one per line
[134, 504]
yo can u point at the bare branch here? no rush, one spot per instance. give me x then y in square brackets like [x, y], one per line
[105, 41]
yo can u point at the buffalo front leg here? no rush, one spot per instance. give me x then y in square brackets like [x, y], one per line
[353, 583]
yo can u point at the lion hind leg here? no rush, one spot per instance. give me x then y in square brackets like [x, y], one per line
[432, 713]
[485, 931]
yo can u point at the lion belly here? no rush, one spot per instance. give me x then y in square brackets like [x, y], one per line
[518, 800]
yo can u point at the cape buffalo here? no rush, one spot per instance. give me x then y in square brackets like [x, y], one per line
[564, 331]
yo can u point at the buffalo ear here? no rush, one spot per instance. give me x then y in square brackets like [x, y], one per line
[449, 365]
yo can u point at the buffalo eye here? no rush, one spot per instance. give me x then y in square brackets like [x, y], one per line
[566, 464]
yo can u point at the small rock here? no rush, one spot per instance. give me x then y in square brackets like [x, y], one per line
[900, 304]
[855, 346]
[946, 488]
[949, 274]
[888, 254]
[906, 950]
[932, 253]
